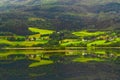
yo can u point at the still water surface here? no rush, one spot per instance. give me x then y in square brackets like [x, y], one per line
[102, 64]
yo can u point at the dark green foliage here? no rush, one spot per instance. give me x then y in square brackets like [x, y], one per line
[20, 39]
[38, 45]
[53, 42]
[57, 36]
[12, 38]
[70, 15]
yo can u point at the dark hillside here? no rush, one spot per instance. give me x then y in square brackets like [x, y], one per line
[60, 14]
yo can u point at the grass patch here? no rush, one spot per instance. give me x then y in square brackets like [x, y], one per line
[35, 36]
[29, 43]
[102, 43]
[22, 43]
[117, 39]
[86, 33]
[41, 31]
[5, 42]
[70, 43]
[99, 42]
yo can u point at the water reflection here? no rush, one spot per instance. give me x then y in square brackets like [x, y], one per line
[60, 65]
[58, 56]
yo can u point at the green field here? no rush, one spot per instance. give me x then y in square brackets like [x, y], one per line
[87, 34]
[41, 31]
[22, 43]
[103, 42]
[27, 43]
[70, 43]
[40, 37]
[5, 42]
[99, 42]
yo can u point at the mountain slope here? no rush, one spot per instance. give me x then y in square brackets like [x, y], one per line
[59, 14]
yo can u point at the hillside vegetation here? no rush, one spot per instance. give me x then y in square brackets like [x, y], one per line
[58, 15]
[60, 22]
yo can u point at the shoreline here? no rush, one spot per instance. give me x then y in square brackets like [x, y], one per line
[66, 48]
[24, 48]
[92, 47]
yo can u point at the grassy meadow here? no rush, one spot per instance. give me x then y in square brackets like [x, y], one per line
[88, 34]
[43, 37]
[40, 31]
[29, 41]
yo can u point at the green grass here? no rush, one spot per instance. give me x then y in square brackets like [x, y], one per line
[99, 42]
[2, 41]
[22, 43]
[67, 42]
[35, 36]
[118, 39]
[70, 43]
[41, 31]
[103, 42]
[29, 43]
[87, 34]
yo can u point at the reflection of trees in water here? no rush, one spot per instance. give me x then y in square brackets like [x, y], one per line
[95, 55]
[34, 57]
[59, 57]
[55, 57]
[13, 57]
[57, 71]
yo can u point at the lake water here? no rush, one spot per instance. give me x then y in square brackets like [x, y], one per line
[101, 64]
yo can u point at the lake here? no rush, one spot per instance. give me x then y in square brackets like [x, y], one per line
[99, 64]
